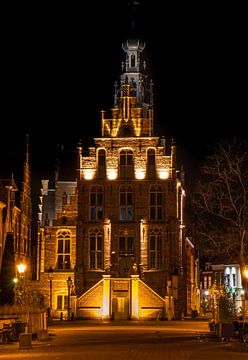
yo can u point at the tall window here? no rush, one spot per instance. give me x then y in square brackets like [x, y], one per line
[96, 249]
[126, 164]
[126, 203]
[64, 249]
[96, 203]
[62, 302]
[151, 168]
[156, 203]
[126, 244]
[155, 249]
[102, 164]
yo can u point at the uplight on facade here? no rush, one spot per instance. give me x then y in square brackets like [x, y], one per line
[163, 174]
[89, 174]
[139, 174]
[112, 174]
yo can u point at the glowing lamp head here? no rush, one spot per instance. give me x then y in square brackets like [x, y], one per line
[21, 268]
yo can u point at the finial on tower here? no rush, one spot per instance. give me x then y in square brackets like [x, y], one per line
[27, 148]
[133, 4]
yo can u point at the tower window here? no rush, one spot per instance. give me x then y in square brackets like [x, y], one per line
[132, 60]
[156, 203]
[155, 249]
[96, 203]
[151, 168]
[96, 249]
[102, 164]
[126, 203]
[126, 164]
[64, 249]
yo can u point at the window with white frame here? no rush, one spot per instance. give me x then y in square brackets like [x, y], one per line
[62, 302]
[63, 249]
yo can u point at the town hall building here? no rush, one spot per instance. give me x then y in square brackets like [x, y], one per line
[112, 242]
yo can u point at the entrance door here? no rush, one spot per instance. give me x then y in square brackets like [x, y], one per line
[120, 308]
[125, 266]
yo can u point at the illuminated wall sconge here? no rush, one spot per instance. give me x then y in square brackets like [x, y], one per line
[163, 174]
[112, 174]
[139, 174]
[89, 174]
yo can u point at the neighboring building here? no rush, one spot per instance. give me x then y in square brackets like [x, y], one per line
[121, 236]
[216, 275]
[57, 243]
[15, 232]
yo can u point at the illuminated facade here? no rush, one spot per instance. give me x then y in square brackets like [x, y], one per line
[118, 232]
[131, 199]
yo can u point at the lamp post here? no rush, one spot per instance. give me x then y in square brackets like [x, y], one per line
[50, 277]
[69, 284]
[21, 268]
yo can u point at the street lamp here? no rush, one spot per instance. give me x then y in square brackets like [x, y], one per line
[69, 284]
[21, 268]
[50, 277]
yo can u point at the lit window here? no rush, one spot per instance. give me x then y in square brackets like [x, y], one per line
[64, 249]
[126, 203]
[96, 249]
[96, 203]
[155, 249]
[62, 302]
[156, 203]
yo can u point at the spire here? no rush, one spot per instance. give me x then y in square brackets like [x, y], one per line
[133, 4]
[27, 148]
[26, 184]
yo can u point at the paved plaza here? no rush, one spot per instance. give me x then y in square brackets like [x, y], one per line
[174, 340]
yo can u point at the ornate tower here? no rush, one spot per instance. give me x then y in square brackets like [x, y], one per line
[130, 214]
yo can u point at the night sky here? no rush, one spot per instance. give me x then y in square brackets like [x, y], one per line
[59, 64]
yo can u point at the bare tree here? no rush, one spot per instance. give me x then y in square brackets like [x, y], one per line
[221, 203]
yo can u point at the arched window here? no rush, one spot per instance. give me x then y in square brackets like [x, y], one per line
[155, 248]
[132, 60]
[151, 166]
[96, 249]
[126, 243]
[96, 203]
[126, 203]
[102, 164]
[126, 164]
[156, 203]
[64, 249]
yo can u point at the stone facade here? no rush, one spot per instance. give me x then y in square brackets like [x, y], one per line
[15, 232]
[124, 218]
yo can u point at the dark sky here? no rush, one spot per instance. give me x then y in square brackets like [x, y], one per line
[59, 64]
